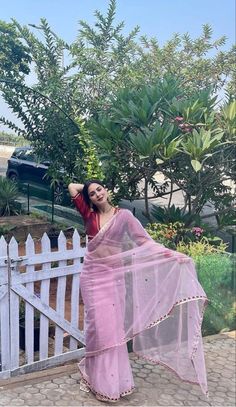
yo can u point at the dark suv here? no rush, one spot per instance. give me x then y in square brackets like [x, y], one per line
[24, 167]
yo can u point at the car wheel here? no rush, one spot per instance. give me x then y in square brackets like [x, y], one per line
[58, 194]
[14, 177]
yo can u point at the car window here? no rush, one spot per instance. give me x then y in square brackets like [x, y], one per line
[28, 155]
[18, 153]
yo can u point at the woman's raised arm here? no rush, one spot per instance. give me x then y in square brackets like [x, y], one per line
[75, 189]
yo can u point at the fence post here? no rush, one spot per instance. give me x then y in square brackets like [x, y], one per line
[53, 203]
[28, 203]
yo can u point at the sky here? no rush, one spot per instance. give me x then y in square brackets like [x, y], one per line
[156, 18]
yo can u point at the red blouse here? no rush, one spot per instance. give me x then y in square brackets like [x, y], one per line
[91, 218]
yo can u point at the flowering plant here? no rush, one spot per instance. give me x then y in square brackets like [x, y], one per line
[197, 231]
[201, 247]
[176, 235]
[166, 234]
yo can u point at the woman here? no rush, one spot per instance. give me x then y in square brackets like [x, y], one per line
[134, 288]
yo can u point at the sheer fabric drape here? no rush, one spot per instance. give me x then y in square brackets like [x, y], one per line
[134, 288]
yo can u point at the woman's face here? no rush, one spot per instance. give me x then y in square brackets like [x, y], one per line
[97, 194]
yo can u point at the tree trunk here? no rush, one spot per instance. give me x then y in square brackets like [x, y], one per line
[171, 192]
[147, 213]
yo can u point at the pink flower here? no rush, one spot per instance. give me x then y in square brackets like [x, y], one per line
[187, 129]
[197, 231]
[179, 118]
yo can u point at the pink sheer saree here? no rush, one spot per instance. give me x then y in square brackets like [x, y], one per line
[133, 287]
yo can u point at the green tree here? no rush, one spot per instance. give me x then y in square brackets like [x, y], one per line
[104, 62]
[200, 62]
[46, 109]
[49, 111]
[103, 58]
[15, 57]
[162, 128]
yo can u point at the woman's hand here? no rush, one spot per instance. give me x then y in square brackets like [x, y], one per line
[75, 189]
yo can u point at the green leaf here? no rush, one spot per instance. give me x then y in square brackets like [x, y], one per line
[196, 165]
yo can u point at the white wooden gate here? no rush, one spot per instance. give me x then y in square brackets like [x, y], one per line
[25, 282]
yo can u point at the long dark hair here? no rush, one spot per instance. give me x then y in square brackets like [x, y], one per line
[85, 191]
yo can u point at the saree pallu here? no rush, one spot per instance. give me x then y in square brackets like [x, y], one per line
[135, 288]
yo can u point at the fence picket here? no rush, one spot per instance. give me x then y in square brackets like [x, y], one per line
[29, 310]
[75, 291]
[4, 330]
[61, 291]
[4, 309]
[14, 307]
[44, 295]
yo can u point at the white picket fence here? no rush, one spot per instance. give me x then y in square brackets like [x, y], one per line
[27, 280]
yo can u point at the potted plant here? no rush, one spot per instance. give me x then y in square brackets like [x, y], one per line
[53, 234]
[54, 231]
[22, 326]
[130, 346]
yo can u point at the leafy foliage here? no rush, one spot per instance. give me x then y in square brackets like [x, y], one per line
[214, 267]
[15, 58]
[201, 145]
[215, 275]
[191, 241]
[172, 214]
[8, 195]
[132, 136]
[227, 120]
[91, 164]
[103, 58]
[141, 135]
[191, 59]
[201, 247]
[48, 128]
[49, 111]
[141, 124]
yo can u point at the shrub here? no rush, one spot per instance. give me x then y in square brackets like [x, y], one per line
[176, 236]
[216, 275]
[4, 230]
[202, 247]
[8, 194]
[214, 267]
[165, 234]
[172, 215]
